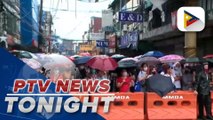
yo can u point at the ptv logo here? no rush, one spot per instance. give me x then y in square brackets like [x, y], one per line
[191, 19]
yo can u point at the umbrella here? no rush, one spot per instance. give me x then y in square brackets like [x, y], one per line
[129, 59]
[82, 60]
[44, 58]
[156, 54]
[148, 60]
[85, 54]
[160, 84]
[103, 63]
[58, 67]
[32, 63]
[193, 60]
[76, 56]
[171, 58]
[138, 57]
[118, 57]
[127, 63]
[71, 58]
[208, 56]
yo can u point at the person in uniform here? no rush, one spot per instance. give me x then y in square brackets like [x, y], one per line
[202, 88]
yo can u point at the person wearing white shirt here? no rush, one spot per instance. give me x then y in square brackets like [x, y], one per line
[142, 75]
[177, 71]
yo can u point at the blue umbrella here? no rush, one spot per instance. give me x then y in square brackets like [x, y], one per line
[82, 60]
[156, 54]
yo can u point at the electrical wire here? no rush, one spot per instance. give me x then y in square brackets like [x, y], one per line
[56, 10]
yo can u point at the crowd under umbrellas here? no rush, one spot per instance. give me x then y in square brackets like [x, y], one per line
[117, 67]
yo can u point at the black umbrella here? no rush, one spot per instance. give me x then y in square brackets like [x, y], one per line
[160, 84]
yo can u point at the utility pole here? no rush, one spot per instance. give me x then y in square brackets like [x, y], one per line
[40, 23]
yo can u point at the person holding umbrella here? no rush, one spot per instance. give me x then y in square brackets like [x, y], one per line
[124, 82]
[202, 88]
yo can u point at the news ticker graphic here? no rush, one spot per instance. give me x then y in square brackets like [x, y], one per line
[26, 94]
[70, 87]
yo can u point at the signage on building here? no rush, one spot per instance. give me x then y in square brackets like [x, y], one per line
[133, 38]
[96, 36]
[112, 41]
[107, 18]
[102, 43]
[129, 39]
[174, 19]
[130, 17]
[108, 29]
[86, 47]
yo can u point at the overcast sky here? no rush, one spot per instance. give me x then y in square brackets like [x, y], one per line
[68, 24]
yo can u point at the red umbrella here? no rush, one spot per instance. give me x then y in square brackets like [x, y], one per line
[71, 58]
[85, 54]
[208, 56]
[103, 63]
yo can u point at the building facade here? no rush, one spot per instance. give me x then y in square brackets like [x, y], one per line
[158, 31]
[9, 22]
[29, 12]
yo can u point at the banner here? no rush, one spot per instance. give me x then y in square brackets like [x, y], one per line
[96, 36]
[102, 43]
[174, 19]
[112, 41]
[130, 17]
[124, 42]
[133, 38]
[107, 18]
[129, 39]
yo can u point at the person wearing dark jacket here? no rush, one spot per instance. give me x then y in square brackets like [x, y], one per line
[202, 88]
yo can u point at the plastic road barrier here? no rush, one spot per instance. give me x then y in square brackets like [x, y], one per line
[180, 105]
[126, 106]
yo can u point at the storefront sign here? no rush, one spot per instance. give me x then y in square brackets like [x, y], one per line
[86, 47]
[102, 43]
[130, 17]
[96, 36]
[107, 18]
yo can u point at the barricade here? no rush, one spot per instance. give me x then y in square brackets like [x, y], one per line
[212, 100]
[126, 106]
[180, 105]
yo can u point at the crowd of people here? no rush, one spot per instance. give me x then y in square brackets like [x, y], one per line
[197, 77]
[183, 76]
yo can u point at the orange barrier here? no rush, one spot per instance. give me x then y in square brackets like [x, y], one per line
[180, 105]
[212, 100]
[126, 106]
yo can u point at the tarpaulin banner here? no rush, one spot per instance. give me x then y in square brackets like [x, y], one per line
[129, 39]
[112, 41]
